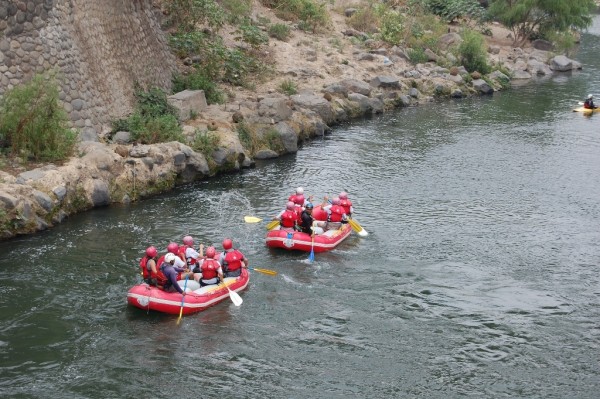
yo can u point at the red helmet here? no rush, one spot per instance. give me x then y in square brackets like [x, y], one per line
[343, 195]
[227, 244]
[290, 206]
[188, 240]
[210, 252]
[173, 248]
[151, 252]
[335, 201]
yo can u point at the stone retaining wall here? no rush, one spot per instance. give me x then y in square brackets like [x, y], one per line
[98, 48]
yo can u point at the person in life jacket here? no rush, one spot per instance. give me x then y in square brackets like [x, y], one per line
[188, 253]
[298, 198]
[232, 261]
[149, 266]
[171, 273]
[335, 214]
[589, 102]
[346, 204]
[172, 248]
[308, 224]
[211, 270]
[288, 218]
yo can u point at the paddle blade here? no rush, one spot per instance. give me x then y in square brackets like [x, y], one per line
[311, 256]
[271, 225]
[235, 298]
[182, 300]
[264, 271]
[252, 219]
[358, 228]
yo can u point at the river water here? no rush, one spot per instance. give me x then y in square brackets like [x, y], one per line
[480, 276]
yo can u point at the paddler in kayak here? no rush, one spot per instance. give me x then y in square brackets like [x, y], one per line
[589, 102]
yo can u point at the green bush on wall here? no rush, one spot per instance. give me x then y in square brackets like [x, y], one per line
[33, 124]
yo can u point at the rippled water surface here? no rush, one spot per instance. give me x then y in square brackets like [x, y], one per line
[480, 277]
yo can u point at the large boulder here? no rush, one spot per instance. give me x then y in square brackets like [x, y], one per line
[315, 103]
[187, 103]
[560, 63]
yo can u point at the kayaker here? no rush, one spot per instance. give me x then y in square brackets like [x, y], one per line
[148, 266]
[232, 261]
[288, 218]
[346, 204]
[335, 213]
[170, 273]
[589, 102]
[211, 270]
[307, 221]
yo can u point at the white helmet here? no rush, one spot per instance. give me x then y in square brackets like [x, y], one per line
[169, 257]
[299, 190]
[590, 96]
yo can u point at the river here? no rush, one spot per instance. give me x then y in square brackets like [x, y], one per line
[480, 276]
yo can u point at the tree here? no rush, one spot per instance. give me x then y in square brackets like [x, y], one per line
[526, 18]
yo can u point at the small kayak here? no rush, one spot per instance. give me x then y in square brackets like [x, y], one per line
[197, 298]
[586, 111]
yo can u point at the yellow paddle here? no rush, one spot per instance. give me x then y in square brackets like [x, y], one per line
[182, 300]
[358, 228]
[271, 225]
[252, 219]
[265, 271]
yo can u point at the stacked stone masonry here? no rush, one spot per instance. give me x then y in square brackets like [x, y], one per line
[96, 49]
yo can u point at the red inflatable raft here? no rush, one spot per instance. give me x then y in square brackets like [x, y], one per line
[197, 298]
[296, 240]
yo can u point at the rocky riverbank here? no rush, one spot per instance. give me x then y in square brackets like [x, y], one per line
[338, 79]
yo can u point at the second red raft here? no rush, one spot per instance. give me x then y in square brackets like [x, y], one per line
[296, 240]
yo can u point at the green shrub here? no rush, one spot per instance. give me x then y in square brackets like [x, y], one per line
[248, 138]
[364, 20]
[153, 103]
[417, 55]
[251, 34]
[217, 62]
[280, 32]
[198, 80]
[473, 53]
[451, 10]
[310, 15]
[392, 27]
[188, 14]
[33, 124]
[273, 140]
[154, 120]
[288, 87]
[158, 129]
[205, 142]
[237, 9]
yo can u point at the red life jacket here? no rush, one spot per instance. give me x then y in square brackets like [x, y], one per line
[233, 260]
[209, 269]
[146, 273]
[289, 218]
[161, 279]
[336, 213]
[298, 199]
[346, 204]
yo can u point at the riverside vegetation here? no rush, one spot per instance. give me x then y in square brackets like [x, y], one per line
[229, 49]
